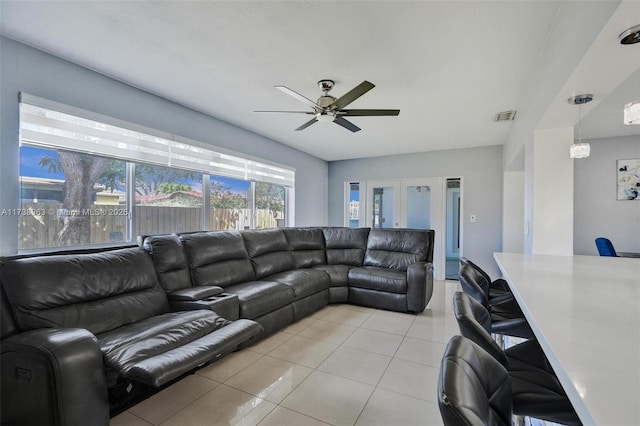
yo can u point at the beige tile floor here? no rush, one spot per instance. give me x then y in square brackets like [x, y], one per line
[343, 365]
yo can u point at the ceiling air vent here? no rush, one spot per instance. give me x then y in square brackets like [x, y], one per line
[506, 115]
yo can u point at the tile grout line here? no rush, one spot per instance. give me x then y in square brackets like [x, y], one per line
[385, 370]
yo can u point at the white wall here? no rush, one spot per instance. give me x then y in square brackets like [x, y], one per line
[32, 71]
[552, 223]
[481, 169]
[597, 212]
[513, 213]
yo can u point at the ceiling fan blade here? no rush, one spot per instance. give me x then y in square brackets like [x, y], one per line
[292, 112]
[298, 96]
[307, 124]
[368, 112]
[352, 95]
[346, 124]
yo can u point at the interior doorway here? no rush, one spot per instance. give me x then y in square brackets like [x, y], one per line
[453, 229]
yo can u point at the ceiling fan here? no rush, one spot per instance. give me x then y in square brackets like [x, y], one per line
[330, 108]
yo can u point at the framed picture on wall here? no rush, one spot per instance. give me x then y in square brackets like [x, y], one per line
[629, 179]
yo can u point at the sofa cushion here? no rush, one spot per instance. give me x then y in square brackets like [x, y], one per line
[157, 350]
[217, 258]
[382, 279]
[261, 297]
[304, 282]
[269, 251]
[306, 245]
[396, 249]
[96, 291]
[169, 259]
[345, 246]
[338, 274]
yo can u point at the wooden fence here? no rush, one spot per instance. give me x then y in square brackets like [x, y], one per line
[40, 223]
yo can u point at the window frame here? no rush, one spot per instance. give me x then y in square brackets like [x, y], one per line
[256, 169]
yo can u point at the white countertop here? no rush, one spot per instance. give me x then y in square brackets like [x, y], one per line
[585, 311]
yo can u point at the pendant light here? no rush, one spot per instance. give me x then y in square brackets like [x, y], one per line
[580, 149]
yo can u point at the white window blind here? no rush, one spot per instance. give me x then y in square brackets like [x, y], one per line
[51, 125]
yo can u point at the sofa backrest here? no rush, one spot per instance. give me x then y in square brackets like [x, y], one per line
[306, 245]
[269, 251]
[345, 246]
[96, 291]
[397, 248]
[217, 258]
[169, 259]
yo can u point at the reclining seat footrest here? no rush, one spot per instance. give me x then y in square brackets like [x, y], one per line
[172, 364]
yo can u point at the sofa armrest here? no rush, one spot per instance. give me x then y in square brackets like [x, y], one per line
[53, 377]
[194, 293]
[419, 286]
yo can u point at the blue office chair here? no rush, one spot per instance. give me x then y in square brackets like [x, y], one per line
[605, 248]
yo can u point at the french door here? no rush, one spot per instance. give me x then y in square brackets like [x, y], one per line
[409, 203]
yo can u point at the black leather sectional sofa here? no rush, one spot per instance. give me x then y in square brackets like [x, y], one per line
[86, 334]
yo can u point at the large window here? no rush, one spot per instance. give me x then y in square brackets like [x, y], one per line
[85, 182]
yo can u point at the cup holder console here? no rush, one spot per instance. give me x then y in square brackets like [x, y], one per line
[224, 304]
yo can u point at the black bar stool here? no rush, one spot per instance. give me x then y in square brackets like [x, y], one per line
[506, 316]
[536, 391]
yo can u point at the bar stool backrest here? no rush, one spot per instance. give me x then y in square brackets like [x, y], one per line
[474, 322]
[473, 388]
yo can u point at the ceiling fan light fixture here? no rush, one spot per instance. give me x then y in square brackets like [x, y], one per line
[325, 117]
[630, 36]
[632, 113]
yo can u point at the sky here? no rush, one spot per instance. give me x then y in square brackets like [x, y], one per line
[30, 166]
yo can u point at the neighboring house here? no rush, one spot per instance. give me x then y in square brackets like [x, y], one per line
[47, 190]
[174, 199]
[108, 198]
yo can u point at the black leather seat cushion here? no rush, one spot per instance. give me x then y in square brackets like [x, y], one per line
[261, 297]
[537, 392]
[382, 279]
[304, 282]
[338, 274]
[162, 348]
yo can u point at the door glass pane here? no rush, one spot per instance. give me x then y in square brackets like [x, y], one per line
[230, 208]
[382, 207]
[419, 207]
[354, 204]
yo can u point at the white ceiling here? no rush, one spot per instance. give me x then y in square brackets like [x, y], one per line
[448, 66]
